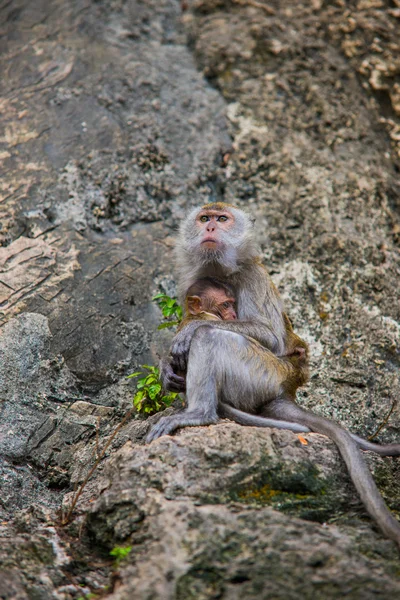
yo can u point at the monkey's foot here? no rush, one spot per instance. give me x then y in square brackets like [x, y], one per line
[164, 426]
[187, 419]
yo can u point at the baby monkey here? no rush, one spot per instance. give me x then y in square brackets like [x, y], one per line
[209, 299]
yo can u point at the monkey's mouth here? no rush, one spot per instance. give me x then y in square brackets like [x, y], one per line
[209, 241]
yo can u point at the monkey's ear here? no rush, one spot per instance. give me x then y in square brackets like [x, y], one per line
[194, 304]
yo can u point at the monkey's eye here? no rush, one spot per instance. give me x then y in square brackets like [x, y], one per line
[204, 219]
[222, 218]
[226, 305]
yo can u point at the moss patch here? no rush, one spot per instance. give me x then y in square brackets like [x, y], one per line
[304, 492]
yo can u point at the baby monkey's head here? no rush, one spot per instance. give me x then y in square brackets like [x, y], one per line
[213, 297]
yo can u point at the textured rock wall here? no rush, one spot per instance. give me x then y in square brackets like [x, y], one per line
[116, 117]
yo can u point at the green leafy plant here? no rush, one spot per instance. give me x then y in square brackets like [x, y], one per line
[170, 310]
[149, 397]
[120, 552]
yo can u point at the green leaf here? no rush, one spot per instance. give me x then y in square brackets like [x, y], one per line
[169, 306]
[120, 552]
[134, 374]
[138, 399]
[151, 381]
[154, 391]
[148, 398]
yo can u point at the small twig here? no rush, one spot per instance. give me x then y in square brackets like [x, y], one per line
[70, 578]
[385, 420]
[94, 453]
[97, 437]
[76, 497]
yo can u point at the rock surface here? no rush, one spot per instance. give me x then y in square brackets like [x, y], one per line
[116, 117]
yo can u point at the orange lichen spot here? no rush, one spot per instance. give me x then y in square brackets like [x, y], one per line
[263, 493]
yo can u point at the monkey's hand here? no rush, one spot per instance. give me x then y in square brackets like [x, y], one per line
[181, 345]
[171, 382]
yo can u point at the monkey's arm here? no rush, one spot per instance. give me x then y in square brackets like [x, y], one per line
[258, 331]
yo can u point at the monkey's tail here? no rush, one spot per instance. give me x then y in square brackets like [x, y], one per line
[353, 458]
[383, 450]
[226, 411]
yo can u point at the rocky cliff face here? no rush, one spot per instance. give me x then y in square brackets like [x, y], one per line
[117, 116]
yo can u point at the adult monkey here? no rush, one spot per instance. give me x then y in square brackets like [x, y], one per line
[217, 241]
[210, 299]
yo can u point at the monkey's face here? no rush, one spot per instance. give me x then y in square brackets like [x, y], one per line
[214, 301]
[226, 309]
[212, 226]
[217, 234]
